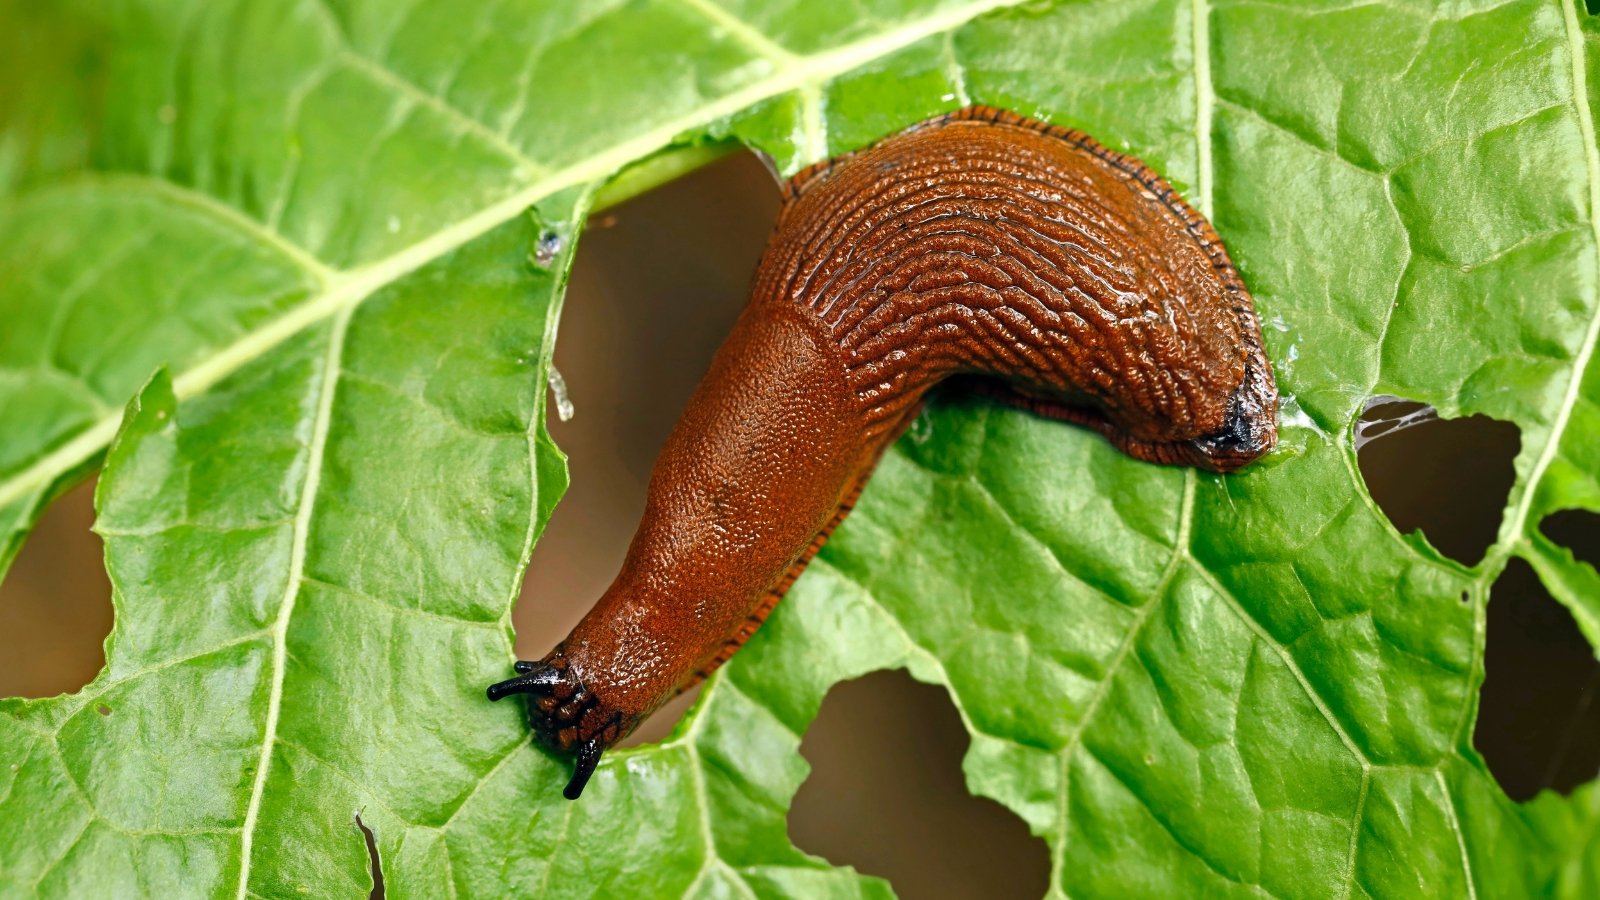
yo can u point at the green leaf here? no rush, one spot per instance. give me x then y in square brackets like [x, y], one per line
[313, 217]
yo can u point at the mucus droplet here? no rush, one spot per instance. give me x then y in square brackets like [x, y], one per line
[558, 391]
[548, 248]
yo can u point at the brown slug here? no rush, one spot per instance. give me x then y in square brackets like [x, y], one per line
[1072, 279]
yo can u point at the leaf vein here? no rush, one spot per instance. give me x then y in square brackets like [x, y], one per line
[348, 288]
[332, 364]
[1580, 364]
[1185, 517]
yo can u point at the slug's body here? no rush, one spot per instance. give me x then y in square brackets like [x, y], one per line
[979, 243]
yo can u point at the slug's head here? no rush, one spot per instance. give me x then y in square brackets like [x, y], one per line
[1238, 428]
[1249, 426]
[1246, 428]
[1193, 384]
[566, 716]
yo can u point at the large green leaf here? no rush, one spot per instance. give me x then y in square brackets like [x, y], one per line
[313, 217]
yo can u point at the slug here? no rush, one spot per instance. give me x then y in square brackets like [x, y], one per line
[1066, 278]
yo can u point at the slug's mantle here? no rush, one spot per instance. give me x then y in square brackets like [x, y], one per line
[1062, 277]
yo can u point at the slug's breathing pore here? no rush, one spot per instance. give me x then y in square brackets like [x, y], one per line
[1072, 280]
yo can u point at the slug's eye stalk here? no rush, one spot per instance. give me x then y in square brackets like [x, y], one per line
[566, 716]
[535, 679]
[588, 757]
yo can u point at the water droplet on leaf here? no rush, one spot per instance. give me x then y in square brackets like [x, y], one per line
[547, 249]
[558, 390]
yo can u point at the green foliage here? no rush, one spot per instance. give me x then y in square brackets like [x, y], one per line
[310, 218]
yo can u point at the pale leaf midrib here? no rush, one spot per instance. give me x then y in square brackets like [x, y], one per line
[332, 363]
[1518, 522]
[349, 287]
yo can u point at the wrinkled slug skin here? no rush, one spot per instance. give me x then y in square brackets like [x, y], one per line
[1071, 280]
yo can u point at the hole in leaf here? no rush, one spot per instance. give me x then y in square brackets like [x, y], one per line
[55, 603]
[374, 858]
[1447, 477]
[1539, 712]
[657, 284]
[886, 795]
[1576, 529]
